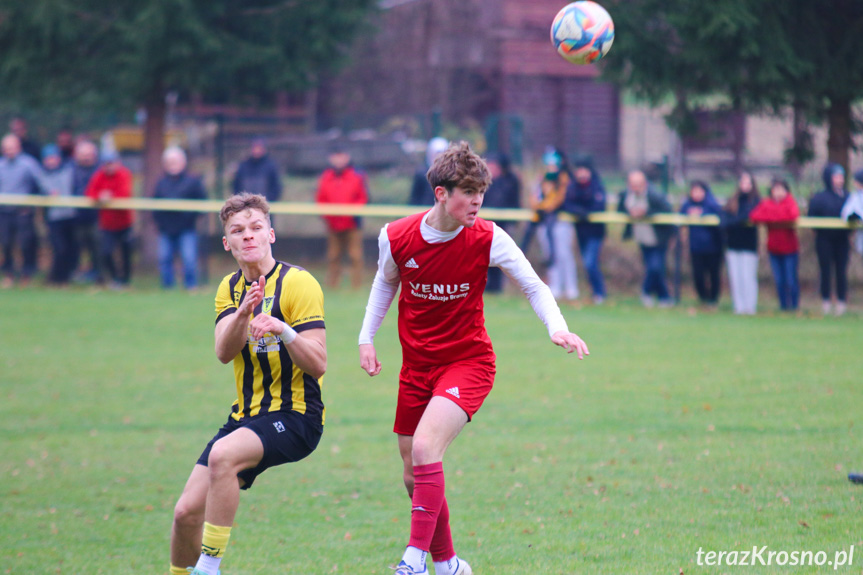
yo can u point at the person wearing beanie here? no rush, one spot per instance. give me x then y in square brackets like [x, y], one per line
[832, 245]
[421, 192]
[58, 178]
[584, 196]
[504, 192]
[258, 173]
[705, 243]
[556, 237]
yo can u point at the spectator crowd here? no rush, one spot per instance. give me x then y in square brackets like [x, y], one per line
[95, 245]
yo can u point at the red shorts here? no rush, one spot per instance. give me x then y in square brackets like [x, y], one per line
[466, 383]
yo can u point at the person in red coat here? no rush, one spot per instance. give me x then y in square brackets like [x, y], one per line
[341, 183]
[112, 181]
[779, 212]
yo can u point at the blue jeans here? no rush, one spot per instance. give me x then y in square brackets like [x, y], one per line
[785, 275]
[654, 272]
[186, 245]
[590, 250]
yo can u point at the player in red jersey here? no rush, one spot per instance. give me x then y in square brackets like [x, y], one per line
[440, 258]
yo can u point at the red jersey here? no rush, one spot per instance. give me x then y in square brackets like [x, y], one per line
[441, 316]
[119, 184]
[779, 217]
[345, 187]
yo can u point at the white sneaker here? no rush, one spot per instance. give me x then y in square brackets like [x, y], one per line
[405, 569]
[841, 307]
[647, 300]
[825, 306]
[463, 568]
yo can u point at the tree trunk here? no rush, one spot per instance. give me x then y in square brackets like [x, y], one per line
[800, 134]
[839, 135]
[154, 144]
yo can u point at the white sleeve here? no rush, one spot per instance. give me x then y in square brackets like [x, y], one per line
[384, 289]
[854, 205]
[506, 255]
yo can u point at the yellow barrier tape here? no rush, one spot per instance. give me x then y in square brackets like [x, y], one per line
[375, 211]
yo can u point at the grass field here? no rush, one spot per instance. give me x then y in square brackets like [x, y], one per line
[680, 432]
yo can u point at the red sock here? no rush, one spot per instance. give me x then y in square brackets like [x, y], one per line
[441, 543]
[427, 501]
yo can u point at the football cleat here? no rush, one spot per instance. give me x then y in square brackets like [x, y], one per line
[855, 477]
[462, 568]
[405, 569]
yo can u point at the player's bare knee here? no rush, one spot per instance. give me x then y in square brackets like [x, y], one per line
[221, 461]
[424, 451]
[187, 514]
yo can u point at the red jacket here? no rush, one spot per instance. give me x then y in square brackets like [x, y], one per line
[118, 185]
[779, 217]
[345, 187]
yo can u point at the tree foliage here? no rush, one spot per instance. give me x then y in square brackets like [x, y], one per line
[757, 54]
[128, 53]
[128, 50]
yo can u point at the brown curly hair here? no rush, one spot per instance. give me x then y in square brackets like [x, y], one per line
[459, 167]
[241, 203]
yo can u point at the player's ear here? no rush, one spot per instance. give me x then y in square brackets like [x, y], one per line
[440, 193]
[272, 235]
[225, 244]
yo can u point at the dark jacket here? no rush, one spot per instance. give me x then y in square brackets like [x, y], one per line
[259, 176]
[828, 204]
[704, 239]
[180, 187]
[582, 200]
[422, 193]
[81, 176]
[740, 236]
[504, 192]
[657, 203]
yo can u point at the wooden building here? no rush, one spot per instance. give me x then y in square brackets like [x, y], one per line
[489, 61]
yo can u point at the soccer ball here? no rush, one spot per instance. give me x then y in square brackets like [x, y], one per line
[582, 32]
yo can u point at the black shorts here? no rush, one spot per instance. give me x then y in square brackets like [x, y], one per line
[287, 436]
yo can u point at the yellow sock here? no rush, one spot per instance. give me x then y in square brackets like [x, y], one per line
[215, 540]
[179, 570]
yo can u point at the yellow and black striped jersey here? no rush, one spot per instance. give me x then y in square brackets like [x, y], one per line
[267, 379]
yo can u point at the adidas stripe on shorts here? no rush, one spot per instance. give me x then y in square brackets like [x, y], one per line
[466, 383]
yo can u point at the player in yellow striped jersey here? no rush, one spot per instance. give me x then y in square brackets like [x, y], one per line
[270, 324]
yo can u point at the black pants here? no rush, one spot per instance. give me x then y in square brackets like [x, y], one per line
[110, 241]
[706, 270]
[19, 227]
[833, 256]
[64, 244]
[88, 241]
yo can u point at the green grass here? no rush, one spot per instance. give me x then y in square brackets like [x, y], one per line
[680, 432]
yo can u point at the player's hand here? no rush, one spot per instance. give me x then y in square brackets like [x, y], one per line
[638, 213]
[254, 296]
[571, 343]
[369, 359]
[263, 323]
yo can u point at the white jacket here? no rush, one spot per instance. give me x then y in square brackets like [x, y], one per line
[854, 206]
